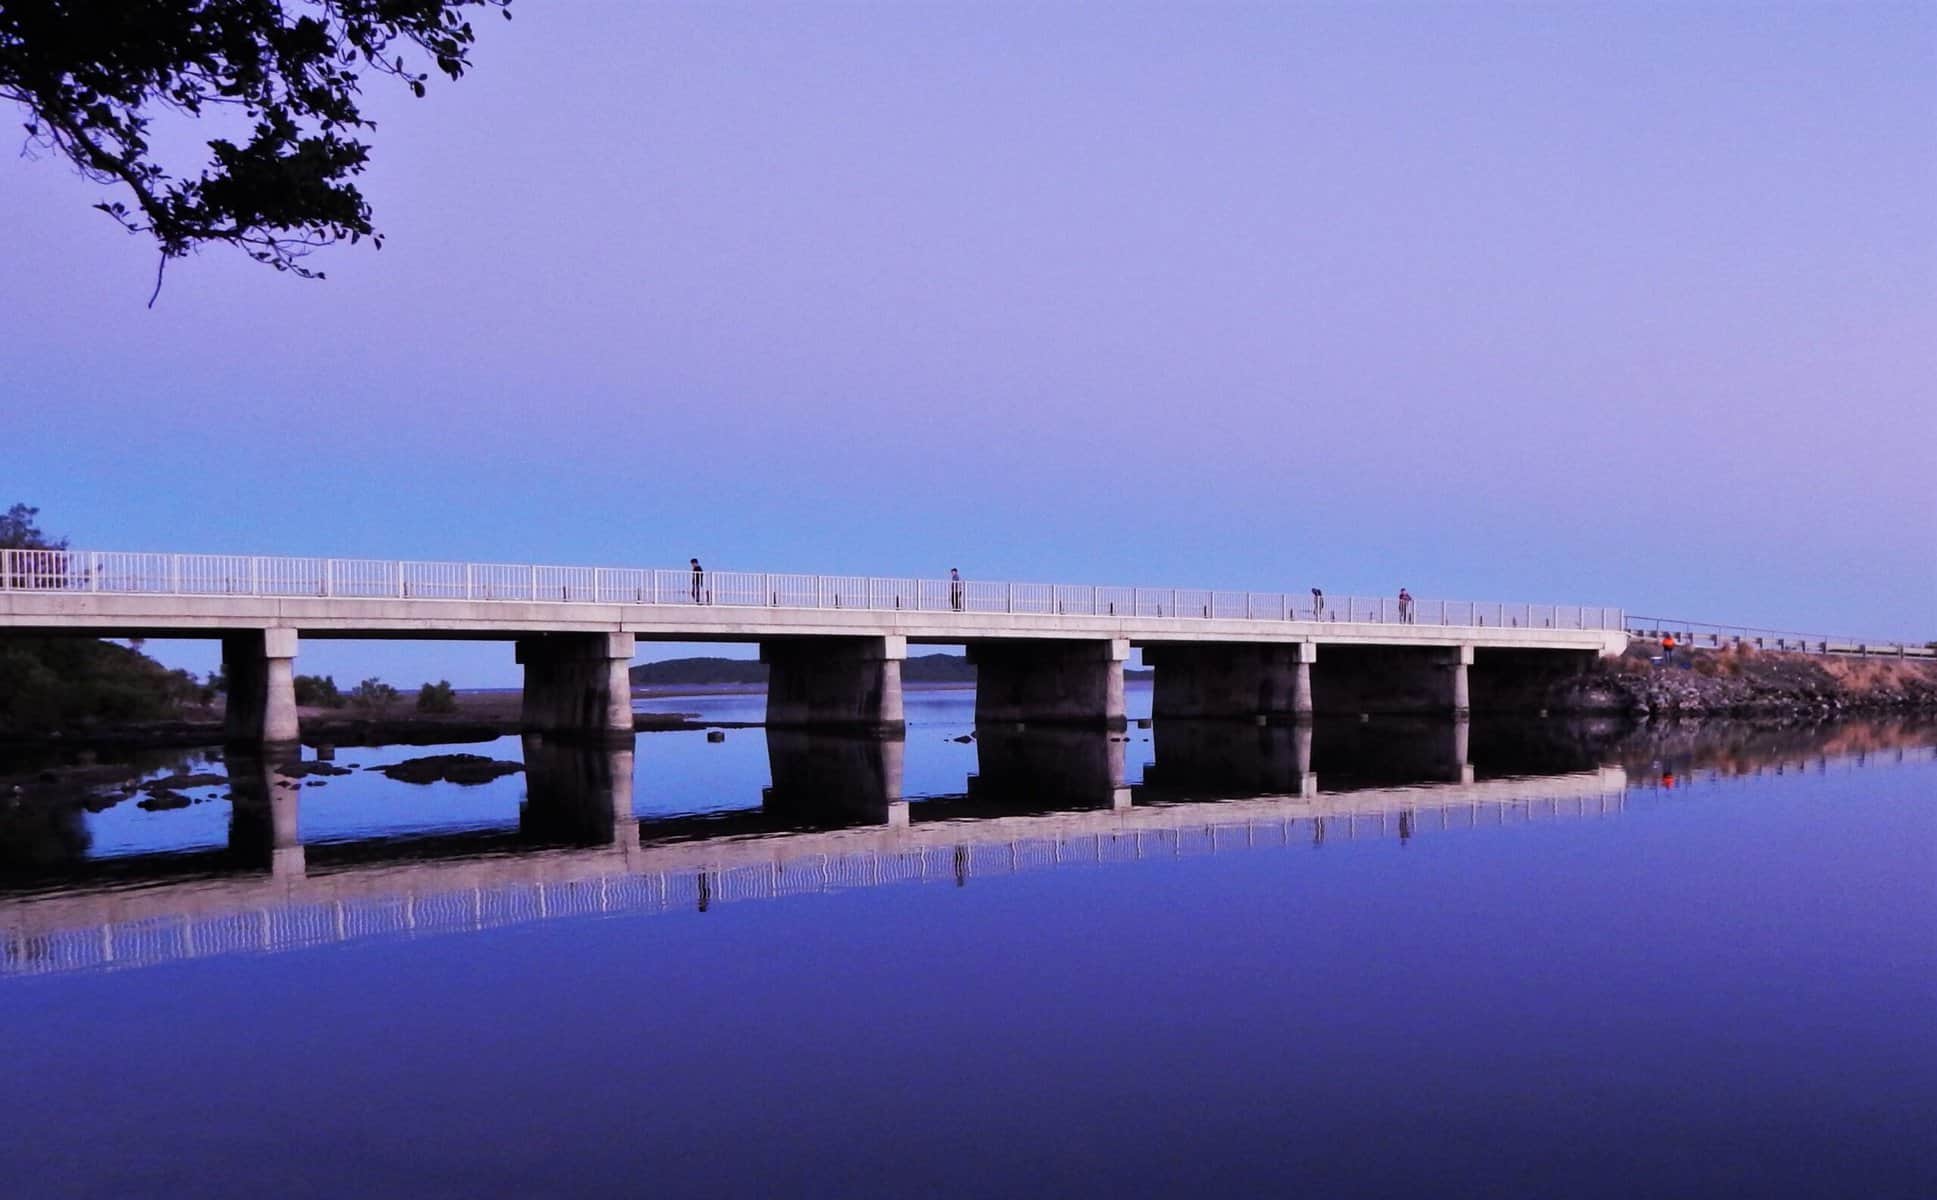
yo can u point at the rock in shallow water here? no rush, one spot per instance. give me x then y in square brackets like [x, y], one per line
[302, 770]
[449, 768]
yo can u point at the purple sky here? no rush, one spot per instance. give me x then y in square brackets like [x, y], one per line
[1629, 305]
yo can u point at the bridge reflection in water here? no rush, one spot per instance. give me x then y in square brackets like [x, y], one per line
[835, 817]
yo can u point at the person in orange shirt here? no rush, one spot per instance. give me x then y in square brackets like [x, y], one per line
[1667, 649]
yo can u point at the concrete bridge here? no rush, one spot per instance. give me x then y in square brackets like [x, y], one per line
[1044, 653]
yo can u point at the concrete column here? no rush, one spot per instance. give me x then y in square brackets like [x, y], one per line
[577, 683]
[1050, 681]
[260, 665]
[1303, 655]
[834, 780]
[1226, 680]
[851, 684]
[1409, 680]
[1458, 694]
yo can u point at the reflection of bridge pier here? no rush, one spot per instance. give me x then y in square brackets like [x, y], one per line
[832, 780]
[263, 827]
[1457, 754]
[578, 795]
[1231, 758]
[1394, 750]
[1047, 768]
[468, 881]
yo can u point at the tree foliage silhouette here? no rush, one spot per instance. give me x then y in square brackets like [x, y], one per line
[94, 76]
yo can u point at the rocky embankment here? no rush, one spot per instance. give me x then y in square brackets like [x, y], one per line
[1744, 682]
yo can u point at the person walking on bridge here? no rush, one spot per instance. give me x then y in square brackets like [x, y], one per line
[699, 581]
[1318, 604]
[1405, 607]
[955, 589]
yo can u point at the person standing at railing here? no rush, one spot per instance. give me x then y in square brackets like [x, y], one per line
[1405, 607]
[1318, 604]
[955, 589]
[699, 581]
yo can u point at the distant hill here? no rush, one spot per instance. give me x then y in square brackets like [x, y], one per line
[699, 670]
[919, 668]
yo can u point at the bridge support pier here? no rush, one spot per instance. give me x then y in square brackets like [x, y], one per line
[836, 683]
[577, 683]
[1458, 694]
[260, 665]
[1050, 681]
[1396, 680]
[1218, 680]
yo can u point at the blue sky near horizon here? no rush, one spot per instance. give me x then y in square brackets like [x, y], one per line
[1626, 305]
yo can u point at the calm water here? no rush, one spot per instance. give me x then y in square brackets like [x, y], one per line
[1508, 961]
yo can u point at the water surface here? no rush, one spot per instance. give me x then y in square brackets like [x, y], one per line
[1384, 959]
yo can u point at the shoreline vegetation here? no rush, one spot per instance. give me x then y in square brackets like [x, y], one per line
[118, 696]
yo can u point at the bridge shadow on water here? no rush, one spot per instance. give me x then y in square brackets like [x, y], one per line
[832, 813]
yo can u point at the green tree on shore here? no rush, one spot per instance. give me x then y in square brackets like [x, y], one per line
[318, 691]
[373, 696]
[19, 531]
[49, 683]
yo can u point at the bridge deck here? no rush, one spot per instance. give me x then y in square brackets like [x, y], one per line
[150, 615]
[199, 595]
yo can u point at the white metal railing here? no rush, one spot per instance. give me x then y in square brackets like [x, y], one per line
[364, 578]
[1700, 634]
